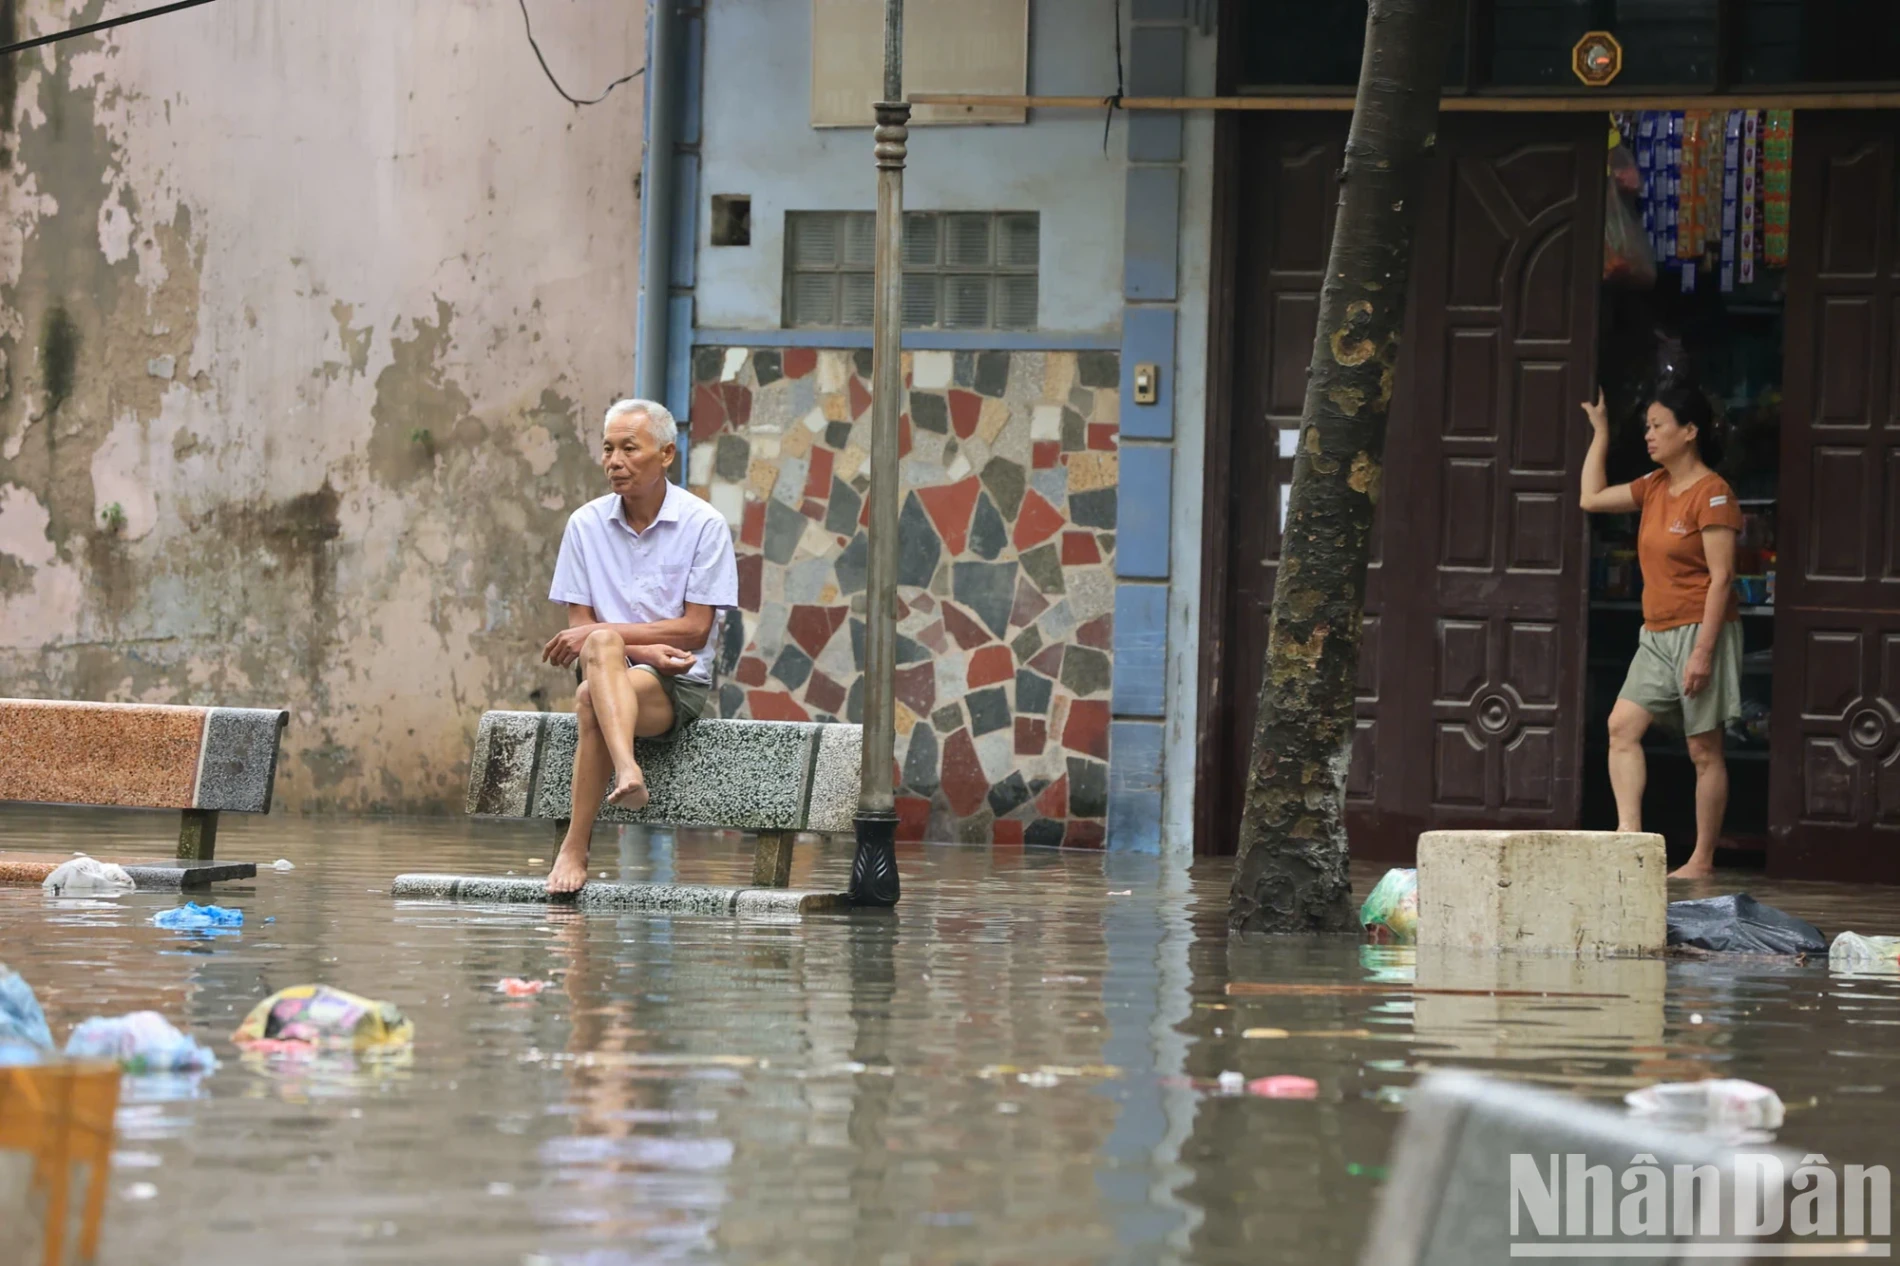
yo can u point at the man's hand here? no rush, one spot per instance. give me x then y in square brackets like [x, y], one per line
[670, 661]
[1696, 673]
[565, 647]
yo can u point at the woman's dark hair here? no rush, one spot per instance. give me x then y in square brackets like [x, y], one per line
[1692, 408]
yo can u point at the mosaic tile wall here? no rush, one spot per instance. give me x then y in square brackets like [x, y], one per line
[1006, 581]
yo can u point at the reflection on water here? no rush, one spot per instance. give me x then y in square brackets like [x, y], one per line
[1006, 1071]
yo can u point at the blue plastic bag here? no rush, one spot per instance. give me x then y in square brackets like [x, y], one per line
[24, 1037]
[193, 917]
[140, 1043]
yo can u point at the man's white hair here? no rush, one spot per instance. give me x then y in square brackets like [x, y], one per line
[661, 427]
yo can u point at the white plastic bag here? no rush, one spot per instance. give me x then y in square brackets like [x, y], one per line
[1716, 1105]
[88, 877]
[1852, 952]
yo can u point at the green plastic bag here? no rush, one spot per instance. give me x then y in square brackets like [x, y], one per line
[1390, 914]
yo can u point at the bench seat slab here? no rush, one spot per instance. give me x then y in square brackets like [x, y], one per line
[679, 898]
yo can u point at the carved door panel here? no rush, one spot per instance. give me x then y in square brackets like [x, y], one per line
[1834, 800]
[1511, 258]
[1288, 196]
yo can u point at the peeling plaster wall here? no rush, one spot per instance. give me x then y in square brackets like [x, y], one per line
[308, 314]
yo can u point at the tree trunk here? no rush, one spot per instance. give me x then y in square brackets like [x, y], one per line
[1291, 875]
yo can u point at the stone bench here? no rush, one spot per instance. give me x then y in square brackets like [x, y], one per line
[776, 778]
[1450, 1198]
[200, 761]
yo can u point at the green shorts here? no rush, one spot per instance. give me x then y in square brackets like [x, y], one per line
[1655, 679]
[687, 697]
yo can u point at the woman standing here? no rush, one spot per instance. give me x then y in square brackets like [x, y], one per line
[1688, 666]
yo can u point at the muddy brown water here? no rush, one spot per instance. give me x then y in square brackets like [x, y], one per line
[1011, 1069]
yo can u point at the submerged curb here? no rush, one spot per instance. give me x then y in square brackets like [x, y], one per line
[684, 898]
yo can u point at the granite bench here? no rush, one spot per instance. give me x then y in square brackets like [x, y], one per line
[776, 778]
[200, 761]
[1475, 1177]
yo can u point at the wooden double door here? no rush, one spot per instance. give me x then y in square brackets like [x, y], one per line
[1470, 686]
[1470, 705]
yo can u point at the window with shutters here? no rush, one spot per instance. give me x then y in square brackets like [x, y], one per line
[963, 270]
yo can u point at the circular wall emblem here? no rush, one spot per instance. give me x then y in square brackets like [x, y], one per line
[1597, 59]
[1868, 729]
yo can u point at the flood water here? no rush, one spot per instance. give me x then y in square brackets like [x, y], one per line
[1013, 1068]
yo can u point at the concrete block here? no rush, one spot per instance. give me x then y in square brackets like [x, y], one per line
[747, 775]
[674, 898]
[837, 779]
[1568, 892]
[501, 772]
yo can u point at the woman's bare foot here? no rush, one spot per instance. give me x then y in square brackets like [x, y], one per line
[570, 871]
[630, 789]
[1694, 868]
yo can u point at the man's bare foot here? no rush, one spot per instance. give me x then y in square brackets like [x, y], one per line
[1694, 869]
[630, 790]
[570, 871]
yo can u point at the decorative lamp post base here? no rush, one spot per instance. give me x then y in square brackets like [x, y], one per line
[874, 869]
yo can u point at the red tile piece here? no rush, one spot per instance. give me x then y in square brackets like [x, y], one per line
[1037, 521]
[903, 443]
[738, 401]
[924, 602]
[932, 636]
[1029, 604]
[813, 510]
[1102, 436]
[913, 819]
[916, 688]
[949, 507]
[991, 665]
[751, 671]
[1007, 833]
[1045, 454]
[1087, 730]
[774, 705]
[751, 575]
[1079, 549]
[818, 482]
[752, 527]
[860, 398]
[708, 412]
[1099, 633]
[963, 780]
[968, 632]
[799, 361]
[812, 627]
[1084, 833]
[1048, 661]
[966, 407]
[1054, 800]
[824, 694]
[1032, 736]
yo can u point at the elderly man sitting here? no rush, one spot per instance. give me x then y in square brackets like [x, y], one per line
[644, 572]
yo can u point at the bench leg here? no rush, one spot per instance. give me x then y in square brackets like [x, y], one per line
[772, 860]
[198, 835]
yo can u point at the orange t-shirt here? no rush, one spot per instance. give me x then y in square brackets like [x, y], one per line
[1669, 546]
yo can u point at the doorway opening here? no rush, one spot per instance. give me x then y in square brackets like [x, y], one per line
[1695, 288]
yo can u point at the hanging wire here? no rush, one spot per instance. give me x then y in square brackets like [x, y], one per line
[106, 25]
[571, 99]
[1114, 102]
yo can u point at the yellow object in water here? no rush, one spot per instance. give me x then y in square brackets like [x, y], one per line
[319, 1016]
[56, 1122]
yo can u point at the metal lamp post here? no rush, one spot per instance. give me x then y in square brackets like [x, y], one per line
[874, 870]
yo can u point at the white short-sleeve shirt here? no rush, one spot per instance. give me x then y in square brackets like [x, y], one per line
[628, 577]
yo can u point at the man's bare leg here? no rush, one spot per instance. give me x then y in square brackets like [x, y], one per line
[617, 705]
[647, 712]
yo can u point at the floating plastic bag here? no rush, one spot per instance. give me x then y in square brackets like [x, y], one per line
[319, 1016]
[1284, 1086]
[88, 877]
[1854, 952]
[1717, 1105]
[24, 1037]
[1390, 914]
[193, 917]
[141, 1043]
[515, 987]
[1741, 925]
[1627, 258]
